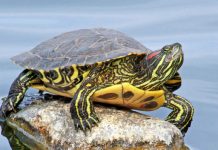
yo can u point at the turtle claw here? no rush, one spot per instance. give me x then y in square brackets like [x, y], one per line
[86, 124]
[6, 108]
[184, 130]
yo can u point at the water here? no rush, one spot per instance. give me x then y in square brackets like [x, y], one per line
[154, 23]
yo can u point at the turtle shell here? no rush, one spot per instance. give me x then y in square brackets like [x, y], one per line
[84, 46]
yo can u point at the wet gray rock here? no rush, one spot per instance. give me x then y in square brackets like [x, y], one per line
[49, 125]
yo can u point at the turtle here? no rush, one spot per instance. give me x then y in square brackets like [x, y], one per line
[105, 66]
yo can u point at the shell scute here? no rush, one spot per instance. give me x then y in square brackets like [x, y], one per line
[85, 46]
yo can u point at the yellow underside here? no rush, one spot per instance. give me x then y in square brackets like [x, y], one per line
[121, 94]
[136, 99]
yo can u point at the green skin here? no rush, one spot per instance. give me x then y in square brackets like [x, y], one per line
[146, 72]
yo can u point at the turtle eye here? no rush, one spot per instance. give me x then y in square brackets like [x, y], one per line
[167, 48]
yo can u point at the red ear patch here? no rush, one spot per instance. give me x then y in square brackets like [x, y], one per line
[152, 55]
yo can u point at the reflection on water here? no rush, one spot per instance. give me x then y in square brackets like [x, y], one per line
[13, 140]
[194, 23]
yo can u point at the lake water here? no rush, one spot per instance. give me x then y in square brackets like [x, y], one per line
[155, 23]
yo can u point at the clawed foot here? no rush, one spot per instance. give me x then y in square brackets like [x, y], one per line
[6, 108]
[86, 123]
[183, 128]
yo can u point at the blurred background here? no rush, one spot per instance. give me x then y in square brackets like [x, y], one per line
[193, 23]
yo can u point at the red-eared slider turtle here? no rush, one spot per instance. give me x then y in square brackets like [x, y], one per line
[105, 66]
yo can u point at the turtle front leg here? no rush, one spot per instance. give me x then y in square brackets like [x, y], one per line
[174, 83]
[17, 91]
[182, 111]
[82, 110]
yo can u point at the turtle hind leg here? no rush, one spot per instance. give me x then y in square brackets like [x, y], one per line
[17, 91]
[182, 112]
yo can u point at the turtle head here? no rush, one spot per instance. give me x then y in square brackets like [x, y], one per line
[164, 63]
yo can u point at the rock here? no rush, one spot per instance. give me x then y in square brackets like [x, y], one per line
[49, 125]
